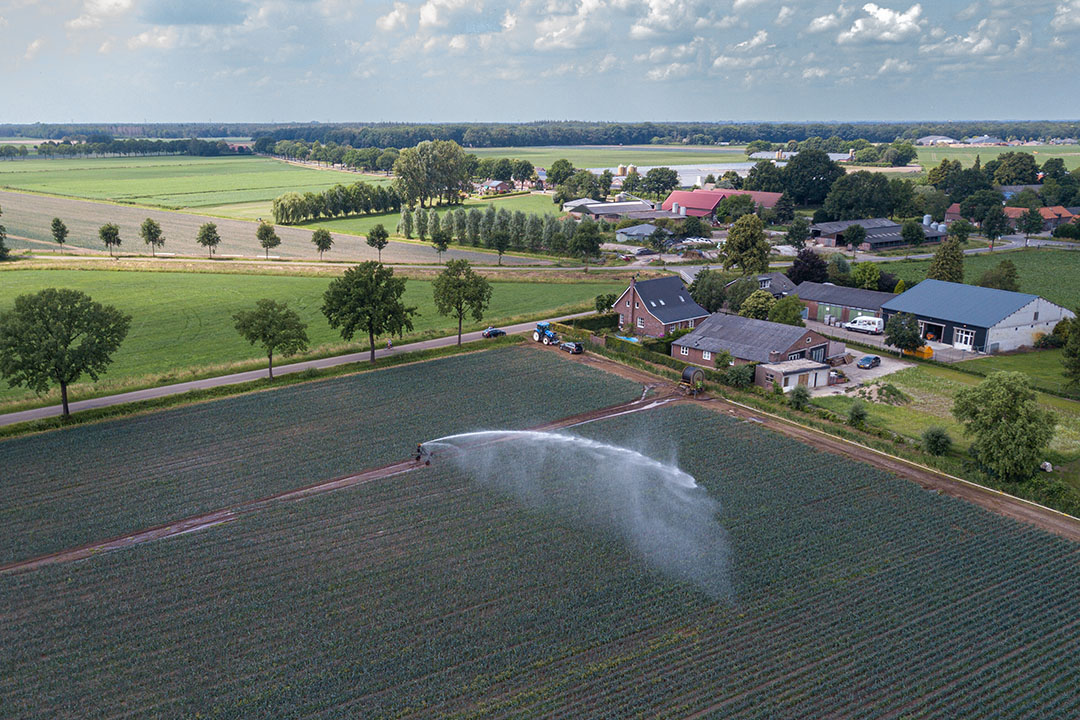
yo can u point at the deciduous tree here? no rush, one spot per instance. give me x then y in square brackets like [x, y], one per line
[902, 332]
[787, 310]
[59, 231]
[1002, 277]
[912, 234]
[994, 224]
[55, 336]
[758, 305]
[151, 234]
[960, 230]
[378, 238]
[367, 298]
[948, 263]
[322, 240]
[267, 237]
[854, 236]
[798, 232]
[1030, 223]
[275, 327]
[110, 235]
[866, 275]
[746, 247]
[208, 237]
[440, 240]
[708, 289]
[1071, 355]
[1010, 430]
[809, 175]
[460, 291]
[808, 266]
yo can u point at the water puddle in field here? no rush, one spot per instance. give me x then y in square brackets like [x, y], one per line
[658, 510]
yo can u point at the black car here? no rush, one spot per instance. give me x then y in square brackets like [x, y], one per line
[574, 348]
[646, 251]
[870, 361]
[492, 332]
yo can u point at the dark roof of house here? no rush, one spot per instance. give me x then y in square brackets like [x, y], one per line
[743, 338]
[882, 236]
[955, 302]
[1074, 210]
[668, 301]
[831, 228]
[839, 295]
[778, 282]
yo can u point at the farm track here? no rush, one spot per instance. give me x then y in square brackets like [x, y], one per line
[221, 516]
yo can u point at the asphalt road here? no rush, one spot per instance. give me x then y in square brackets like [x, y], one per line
[235, 378]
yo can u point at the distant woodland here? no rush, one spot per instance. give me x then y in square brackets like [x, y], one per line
[384, 135]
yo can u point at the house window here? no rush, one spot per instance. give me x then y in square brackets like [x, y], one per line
[794, 356]
[706, 355]
[636, 304]
[683, 350]
[1036, 316]
[641, 322]
[628, 302]
[690, 324]
[786, 378]
[620, 319]
[668, 329]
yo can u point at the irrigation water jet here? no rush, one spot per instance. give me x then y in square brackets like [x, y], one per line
[658, 510]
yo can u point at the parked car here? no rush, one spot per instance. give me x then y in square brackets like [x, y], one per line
[870, 361]
[872, 325]
[646, 251]
[492, 332]
[574, 348]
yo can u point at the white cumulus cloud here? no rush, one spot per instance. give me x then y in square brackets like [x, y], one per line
[784, 16]
[395, 19]
[741, 4]
[882, 24]
[157, 38]
[892, 65]
[1067, 16]
[32, 49]
[829, 21]
[95, 12]
[760, 38]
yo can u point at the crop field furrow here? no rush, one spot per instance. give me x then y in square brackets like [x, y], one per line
[440, 593]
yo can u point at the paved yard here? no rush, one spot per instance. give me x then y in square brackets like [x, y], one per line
[889, 364]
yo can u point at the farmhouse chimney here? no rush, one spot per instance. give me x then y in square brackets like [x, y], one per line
[774, 356]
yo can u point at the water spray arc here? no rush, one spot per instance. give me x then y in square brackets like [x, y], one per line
[658, 510]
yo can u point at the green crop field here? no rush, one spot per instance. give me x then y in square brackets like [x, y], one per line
[853, 593]
[1050, 273]
[151, 469]
[931, 156]
[585, 156]
[170, 182]
[182, 322]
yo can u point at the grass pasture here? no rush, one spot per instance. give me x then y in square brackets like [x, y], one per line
[931, 156]
[854, 593]
[1050, 273]
[182, 322]
[170, 181]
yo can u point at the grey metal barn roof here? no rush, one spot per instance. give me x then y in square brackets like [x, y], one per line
[641, 230]
[958, 303]
[668, 301]
[743, 338]
[839, 295]
[830, 228]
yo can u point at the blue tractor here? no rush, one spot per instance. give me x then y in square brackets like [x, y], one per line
[543, 333]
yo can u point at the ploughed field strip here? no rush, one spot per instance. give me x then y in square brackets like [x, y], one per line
[85, 484]
[854, 594]
[30, 216]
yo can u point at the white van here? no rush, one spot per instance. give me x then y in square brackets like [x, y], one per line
[866, 324]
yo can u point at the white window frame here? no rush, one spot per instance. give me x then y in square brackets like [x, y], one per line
[706, 355]
[690, 324]
[641, 322]
[683, 350]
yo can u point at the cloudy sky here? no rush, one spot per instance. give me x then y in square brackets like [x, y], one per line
[623, 60]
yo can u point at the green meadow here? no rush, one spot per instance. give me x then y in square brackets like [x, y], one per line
[931, 156]
[182, 322]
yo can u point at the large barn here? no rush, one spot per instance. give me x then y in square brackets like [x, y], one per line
[975, 318]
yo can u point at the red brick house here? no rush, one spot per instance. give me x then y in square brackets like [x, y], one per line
[1052, 216]
[702, 203]
[748, 340]
[657, 307]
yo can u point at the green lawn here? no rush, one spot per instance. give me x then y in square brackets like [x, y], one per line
[1053, 274]
[182, 322]
[171, 182]
[932, 390]
[1042, 366]
[929, 157]
[583, 156]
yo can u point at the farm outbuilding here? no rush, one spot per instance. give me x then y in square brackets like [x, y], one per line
[748, 340]
[836, 304]
[974, 318]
